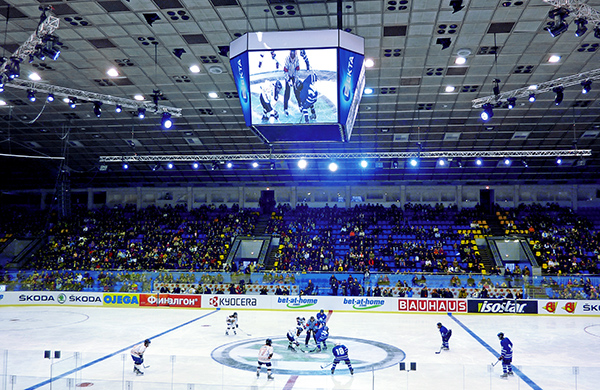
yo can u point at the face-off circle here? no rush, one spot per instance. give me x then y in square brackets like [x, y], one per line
[365, 355]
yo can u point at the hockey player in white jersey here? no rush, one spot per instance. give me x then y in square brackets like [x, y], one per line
[137, 354]
[265, 353]
[232, 323]
[269, 94]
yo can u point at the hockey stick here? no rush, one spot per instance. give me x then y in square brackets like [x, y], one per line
[496, 362]
[327, 365]
[440, 351]
[145, 366]
[243, 331]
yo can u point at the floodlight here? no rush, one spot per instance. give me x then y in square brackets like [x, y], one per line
[511, 103]
[333, 167]
[31, 95]
[50, 97]
[97, 109]
[302, 164]
[586, 86]
[487, 112]
[532, 97]
[166, 122]
[581, 28]
[141, 113]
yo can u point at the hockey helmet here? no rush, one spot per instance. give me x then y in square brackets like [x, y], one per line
[268, 342]
[146, 342]
[278, 88]
[322, 311]
[234, 314]
[500, 335]
[439, 324]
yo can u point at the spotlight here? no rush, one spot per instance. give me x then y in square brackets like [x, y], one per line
[151, 18]
[125, 166]
[272, 166]
[445, 42]
[170, 165]
[72, 102]
[14, 68]
[511, 103]
[459, 162]
[456, 5]
[167, 122]
[179, 52]
[31, 95]
[215, 166]
[333, 167]
[507, 162]
[442, 162]
[395, 164]
[364, 164]
[496, 87]
[51, 47]
[581, 28]
[118, 108]
[229, 165]
[487, 112]
[586, 86]
[302, 164]
[195, 165]
[254, 164]
[558, 25]
[524, 163]
[141, 113]
[531, 97]
[559, 161]
[97, 109]
[50, 97]
[556, 30]
[414, 162]
[559, 94]
[478, 161]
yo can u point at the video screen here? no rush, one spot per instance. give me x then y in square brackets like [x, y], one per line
[293, 86]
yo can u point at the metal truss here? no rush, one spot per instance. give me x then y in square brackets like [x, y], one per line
[547, 86]
[347, 156]
[45, 28]
[93, 97]
[577, 10]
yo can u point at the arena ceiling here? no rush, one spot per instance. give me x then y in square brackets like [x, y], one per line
[409, 110]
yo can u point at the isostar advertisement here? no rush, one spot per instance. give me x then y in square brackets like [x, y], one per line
[502, 306]
[433, 305]
[568, 307]
[171, 300]
[241, 77]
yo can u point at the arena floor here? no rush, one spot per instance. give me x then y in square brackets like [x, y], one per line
[190, 350]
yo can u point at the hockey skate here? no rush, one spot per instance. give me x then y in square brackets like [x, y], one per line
[270, 377]
[504, 376]
[137, 371]
[352, 371]
[227, 333]
[257, 374]
[286, 112]
[332, 371]
[510, 373]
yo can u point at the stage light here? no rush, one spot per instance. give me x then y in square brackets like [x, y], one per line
[125, 166]
[559, 161]
[557, 29]
[118, 108]
[214, 166]
[511, 103]
[31, 95]
[586, 86]
[14, 68]
[559, 95]
[524, 163]
[302, 164]
[531, 97]
[414, 162]
[364, 164]
[141, 113]
[488, 112]
[170, 165]
[50, 97]
[272, 166]
[195, 165]
[507, 162]
[166, 122]
[478, 161]
[72, 102]
[155, 167]
[459, 162]
[97, 109]
[558, 25]
[333, 167]
[229, 165]
[581, 28]
[456, 5]
[442, 162]
[254, 164]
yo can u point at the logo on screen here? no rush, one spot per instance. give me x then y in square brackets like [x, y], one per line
[243, 90]
[347, 89]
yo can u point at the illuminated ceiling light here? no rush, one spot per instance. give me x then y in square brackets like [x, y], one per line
[2, 103]
[166, 122]
[531, 97]
[558, 25]
[364, 164]
[507, 161]
[195, 69]
[254, 164]
[442, 162]
[97, 109]
[532, 87]
[155, 167]
[395, 164]
[511, 103]
[553, 59]
[118, 108]
[139, 97]
[456, 5]
[229, 165]
[586, 86]
[195, 165]
[559, 95]
[414, 162]
[368, 91]
[524, 163]
[72, 102]
[460, 60]
[112, 72]
[272, 166]
[31, 95]
[487, 113]
[559, 161]
[333, 167]
[50, 97]
[581, 28]
[213, 95]
[369, 63]
[302, 164]
[478, 161]
[170, 165]
[450, 88]
[141, 113]
[459, 162]
[34, 76]
[125, 166]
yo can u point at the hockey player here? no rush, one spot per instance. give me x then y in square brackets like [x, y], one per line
[340, 352]
[506, 355]
[137, 354]
[321, 337]
[311, 328]
[290, 73]
[446, 333]
[322, 317]
[232, 323]
[307, 97]
[265, 353]
[293, 336]
[269, 94]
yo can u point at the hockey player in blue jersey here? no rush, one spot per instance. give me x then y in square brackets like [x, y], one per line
[446, 333]
[322, 317]
[307, 94]
[321, 337]
[340, 352]
[506, 355]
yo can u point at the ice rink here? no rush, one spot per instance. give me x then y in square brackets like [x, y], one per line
[190, 350]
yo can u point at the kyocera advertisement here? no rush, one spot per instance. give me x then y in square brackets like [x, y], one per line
[241, 77]
[350, 83]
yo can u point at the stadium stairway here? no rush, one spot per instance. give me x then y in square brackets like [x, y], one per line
[261, 225]
[496, 227]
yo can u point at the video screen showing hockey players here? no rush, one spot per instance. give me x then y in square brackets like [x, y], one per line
[293, 86]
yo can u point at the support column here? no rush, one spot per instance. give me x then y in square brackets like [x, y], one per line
[90, 198]
[402, 196]
[516, 195]
[348, 197]
[190, 198]
[459, 197]
[138, 198]
[575, 197]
